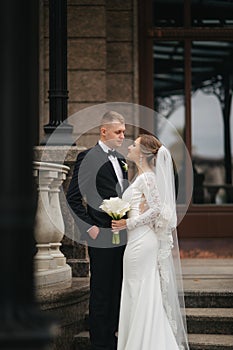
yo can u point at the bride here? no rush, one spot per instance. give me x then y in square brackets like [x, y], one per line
[152, 305]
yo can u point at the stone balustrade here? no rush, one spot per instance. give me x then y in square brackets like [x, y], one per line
[50, 263]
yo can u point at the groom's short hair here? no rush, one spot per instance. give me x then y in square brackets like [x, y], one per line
[111, 117]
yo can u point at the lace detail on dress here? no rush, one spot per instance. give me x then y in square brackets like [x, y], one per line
[146, 184]
[164, 232]
[164, 254]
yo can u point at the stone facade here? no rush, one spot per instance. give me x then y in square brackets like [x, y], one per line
[102, 56]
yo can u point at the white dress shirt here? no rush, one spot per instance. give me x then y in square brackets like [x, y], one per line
[116, 167]
[115, 163]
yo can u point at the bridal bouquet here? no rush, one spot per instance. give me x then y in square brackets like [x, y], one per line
[116, 208]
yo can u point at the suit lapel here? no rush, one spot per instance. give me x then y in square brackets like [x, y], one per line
[121, 161]
[103, 157]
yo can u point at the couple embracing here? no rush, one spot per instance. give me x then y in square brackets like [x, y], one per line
[134, 300]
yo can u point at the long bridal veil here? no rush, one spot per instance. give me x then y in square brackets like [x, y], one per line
[168, 256]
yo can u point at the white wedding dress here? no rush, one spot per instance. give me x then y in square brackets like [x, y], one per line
[143, 323]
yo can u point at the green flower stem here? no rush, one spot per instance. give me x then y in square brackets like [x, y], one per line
[116, 238]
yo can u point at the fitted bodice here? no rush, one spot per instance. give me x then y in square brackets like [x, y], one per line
[134, 196]
[144, 201]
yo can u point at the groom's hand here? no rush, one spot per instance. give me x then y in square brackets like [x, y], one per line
[93, 232]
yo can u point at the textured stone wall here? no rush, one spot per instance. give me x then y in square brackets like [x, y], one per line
[119, 38]
[102, 56]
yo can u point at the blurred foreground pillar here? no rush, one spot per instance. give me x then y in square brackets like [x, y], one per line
[22, 325]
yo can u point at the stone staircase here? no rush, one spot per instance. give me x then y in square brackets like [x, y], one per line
[81, 340]
[209, 322]
[208, 285]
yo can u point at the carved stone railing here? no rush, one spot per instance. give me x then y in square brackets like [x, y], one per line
[50, 263]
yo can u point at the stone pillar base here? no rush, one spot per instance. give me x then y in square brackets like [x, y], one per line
[60, 277]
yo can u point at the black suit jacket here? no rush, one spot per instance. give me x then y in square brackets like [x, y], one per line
[93, 180]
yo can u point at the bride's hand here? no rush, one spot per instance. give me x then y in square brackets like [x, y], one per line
[118, 225]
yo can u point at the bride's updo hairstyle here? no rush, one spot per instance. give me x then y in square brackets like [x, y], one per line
[149, 146]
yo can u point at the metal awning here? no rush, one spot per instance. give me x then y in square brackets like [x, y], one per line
[211, 65]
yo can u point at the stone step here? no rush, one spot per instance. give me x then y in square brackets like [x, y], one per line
[82, 341]
[210, 342]
[196, 342]
[80, 267]
[86, 320]
[210, 320]
[202, 320]
[207, 299]
[193, 298]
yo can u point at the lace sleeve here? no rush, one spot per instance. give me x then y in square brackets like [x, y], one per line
[147, 186]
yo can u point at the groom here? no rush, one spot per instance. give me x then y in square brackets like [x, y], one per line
[100, 173]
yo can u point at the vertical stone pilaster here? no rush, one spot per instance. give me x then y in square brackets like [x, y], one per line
[120, 49]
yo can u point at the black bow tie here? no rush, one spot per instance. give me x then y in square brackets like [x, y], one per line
[112, 153]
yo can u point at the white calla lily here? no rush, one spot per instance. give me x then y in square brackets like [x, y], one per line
[116, 208]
